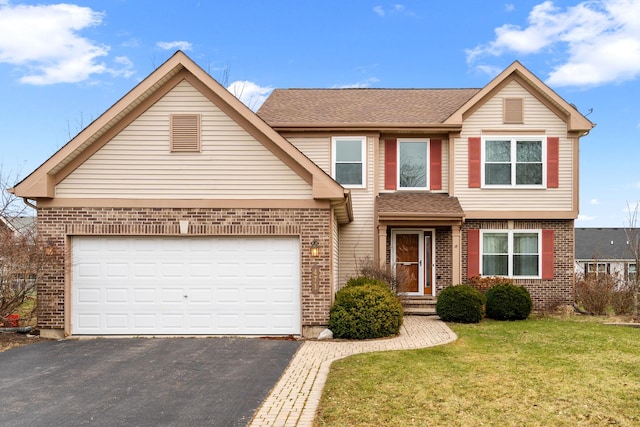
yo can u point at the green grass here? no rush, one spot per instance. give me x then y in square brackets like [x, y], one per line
[538, 372]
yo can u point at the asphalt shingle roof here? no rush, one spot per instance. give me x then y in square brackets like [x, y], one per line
[373, 107]
[603, 244]
[427, 205]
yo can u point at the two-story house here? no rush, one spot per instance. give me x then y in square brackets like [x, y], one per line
[180, 211]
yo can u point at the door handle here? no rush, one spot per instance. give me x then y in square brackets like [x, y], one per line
[420, 263]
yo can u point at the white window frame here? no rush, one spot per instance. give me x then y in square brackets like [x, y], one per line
[606, 268]
[510, 253]
[513, 140]
[427, 143]
[363, 158]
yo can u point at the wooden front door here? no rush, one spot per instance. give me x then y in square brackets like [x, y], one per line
[412, 258]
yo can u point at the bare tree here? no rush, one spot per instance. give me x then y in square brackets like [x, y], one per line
[23, 257]
[633, 239]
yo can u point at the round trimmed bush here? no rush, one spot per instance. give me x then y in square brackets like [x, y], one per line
[365, 308]
[460, 304]
[508, 302]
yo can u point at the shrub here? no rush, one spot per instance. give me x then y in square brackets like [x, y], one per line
[622, 300]
[593, 293]
[460, 304]
[485, 283]
[508, 302]
[365, 308]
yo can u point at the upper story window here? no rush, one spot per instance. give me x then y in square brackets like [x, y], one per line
[513, 162]
[349, 156]
[511, 253]
[413, 163]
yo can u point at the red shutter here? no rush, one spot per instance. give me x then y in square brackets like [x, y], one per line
[553, 146]
[547, 254]
[435, 170]
[473, 253]
[390, 164]
[474, 163]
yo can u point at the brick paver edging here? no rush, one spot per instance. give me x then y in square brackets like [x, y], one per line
[295, 398]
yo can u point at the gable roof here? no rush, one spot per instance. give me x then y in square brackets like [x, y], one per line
[603, 244]
[41, 182]
[379, 109]
[576, 122]
[290, 108]
[19, 224]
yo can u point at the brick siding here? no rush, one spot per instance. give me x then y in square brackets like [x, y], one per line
[546, 294]
[57, 225]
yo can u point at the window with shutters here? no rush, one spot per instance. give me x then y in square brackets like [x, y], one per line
[185, 133]
[511, 253]
[514, 162]
[413, 164]
[349, 154]
[513, 111]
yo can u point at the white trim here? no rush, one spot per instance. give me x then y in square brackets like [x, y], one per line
[427, 143]
[510, 253]
[363, 158]
[513, 139]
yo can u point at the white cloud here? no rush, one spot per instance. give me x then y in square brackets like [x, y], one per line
[594, 202]
[394, 9]
[582, 217]
[178, 44]
[44, 43]
[251, 94]
[358, 85]
[509, 7]
[598, 41]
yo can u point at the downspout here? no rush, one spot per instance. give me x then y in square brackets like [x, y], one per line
[28, 203]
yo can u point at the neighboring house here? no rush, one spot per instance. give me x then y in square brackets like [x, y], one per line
[606, 250]
[18, 225]
[180, 211]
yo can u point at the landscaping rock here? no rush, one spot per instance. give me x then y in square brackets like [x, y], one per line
[326, 335]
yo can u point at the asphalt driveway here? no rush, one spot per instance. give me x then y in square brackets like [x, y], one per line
[140, 381]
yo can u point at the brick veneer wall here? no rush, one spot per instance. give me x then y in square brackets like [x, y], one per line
[546, 294]
[444, 259]
[56, 225]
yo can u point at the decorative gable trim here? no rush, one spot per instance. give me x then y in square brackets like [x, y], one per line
[513, 111]
[185, 133]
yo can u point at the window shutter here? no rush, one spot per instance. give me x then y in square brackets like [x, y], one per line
[185, 132]
[547, 254]
[390, 164]
[513, 110]
[553, 148]
[435, 172]
[473, 253]
[474, 163]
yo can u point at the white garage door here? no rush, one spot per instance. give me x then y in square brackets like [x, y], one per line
[185, 285]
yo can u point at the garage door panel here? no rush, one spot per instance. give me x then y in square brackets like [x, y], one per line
[137, 285]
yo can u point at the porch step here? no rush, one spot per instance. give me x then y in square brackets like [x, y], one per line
[419, 305]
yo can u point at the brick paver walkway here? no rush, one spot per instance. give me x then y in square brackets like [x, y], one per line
[295, 398]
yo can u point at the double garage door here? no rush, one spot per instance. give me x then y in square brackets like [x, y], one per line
[185, 285]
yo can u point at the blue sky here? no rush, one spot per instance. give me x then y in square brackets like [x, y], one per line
[62, 65]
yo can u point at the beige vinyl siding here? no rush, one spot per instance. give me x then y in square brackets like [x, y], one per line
[137, 163]
[445, 167]
[536, 117]
[318, 149]
[357, 238]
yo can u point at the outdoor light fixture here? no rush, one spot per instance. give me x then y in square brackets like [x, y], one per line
[315, 248]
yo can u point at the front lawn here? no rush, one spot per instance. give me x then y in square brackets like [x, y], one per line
[538, 372]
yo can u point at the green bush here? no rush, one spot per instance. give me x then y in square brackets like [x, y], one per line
[508, 302]
[365, 308]
[460, 304]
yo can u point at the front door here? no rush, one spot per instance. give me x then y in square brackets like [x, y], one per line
[412, 255]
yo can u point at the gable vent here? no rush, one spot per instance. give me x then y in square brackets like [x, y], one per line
[513, 110]
[185, 132]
